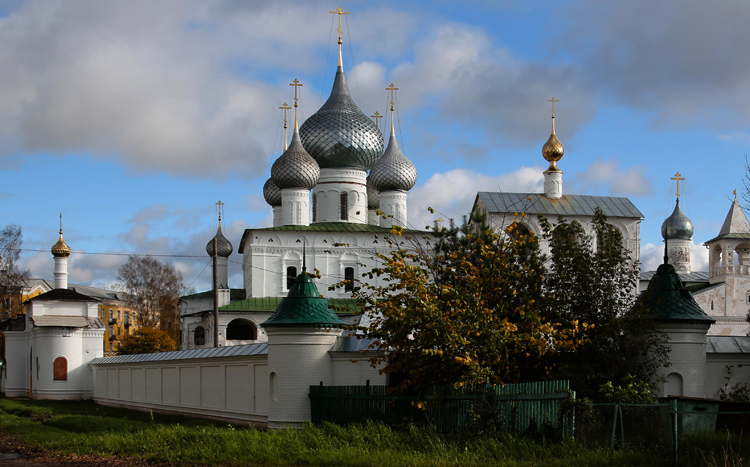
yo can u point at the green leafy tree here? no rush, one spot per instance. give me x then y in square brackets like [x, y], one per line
[591, 283]
[146, 340]
[460, 306]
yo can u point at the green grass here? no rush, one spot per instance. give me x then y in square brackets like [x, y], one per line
[84, 428]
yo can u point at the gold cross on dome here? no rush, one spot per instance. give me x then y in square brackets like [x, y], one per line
[677, 177]
[393, 90]
[296, 84]
[219, 205]
[735, 195]
[377, 116]
[340, 11]
[553, 100]
[285, 107]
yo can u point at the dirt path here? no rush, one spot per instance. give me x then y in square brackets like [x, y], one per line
[15, 453]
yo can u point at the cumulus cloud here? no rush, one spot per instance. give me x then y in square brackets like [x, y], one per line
[653, 255]
[684, 59]
[467, 79]
[451, 194]
[608, 175]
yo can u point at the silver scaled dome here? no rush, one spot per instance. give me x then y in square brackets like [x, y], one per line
[295, 168]
[393, 171]
[272, 193]
[373, 197]
[222, 244]
[677, 226]
[339, 134]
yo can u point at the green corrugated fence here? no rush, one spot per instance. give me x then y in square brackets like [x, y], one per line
[510, 407]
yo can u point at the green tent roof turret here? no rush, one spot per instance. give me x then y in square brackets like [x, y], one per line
[667, 300]
[303, 306]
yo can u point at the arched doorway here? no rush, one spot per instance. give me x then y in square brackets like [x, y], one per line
[241, 329]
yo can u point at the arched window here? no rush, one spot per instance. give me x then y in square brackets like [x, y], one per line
[349, 277]
[315, 207]
[674, 385]
[344, 206]
[241, 329]
[60, 369]
[199, 336]
[272, 385]
[291, 276]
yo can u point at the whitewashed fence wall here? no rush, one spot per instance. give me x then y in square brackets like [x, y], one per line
[234, 389]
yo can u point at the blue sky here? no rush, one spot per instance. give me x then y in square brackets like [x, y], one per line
[134, 117]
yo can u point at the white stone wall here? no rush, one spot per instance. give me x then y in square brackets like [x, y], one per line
[353, 369]
[17, 357]
[327, 195]
[234, 389]
[687, 358]
[728, 304]
[267, 256]
[393, 206]
[716, 371]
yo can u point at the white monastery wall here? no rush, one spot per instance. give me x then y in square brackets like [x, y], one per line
[234, 389]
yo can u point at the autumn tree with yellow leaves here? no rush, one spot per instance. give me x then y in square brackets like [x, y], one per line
[462, 305]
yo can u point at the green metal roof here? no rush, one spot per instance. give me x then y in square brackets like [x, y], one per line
[269, 304]
[667, 300]
[303, 306]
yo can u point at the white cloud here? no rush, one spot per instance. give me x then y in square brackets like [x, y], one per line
[736, 138]
[451, 194]
[653, 255]
[616, 180]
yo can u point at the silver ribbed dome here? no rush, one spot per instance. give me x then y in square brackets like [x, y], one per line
[373, 197]
[393, 171]
[295, 168]
[339, 134]
[677, 226]
[223, 245]
[272, 193]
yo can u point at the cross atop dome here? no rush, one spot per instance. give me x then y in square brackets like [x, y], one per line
[340, 11]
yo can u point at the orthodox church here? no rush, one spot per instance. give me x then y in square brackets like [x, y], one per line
[503, 209]
[723, 292]
[49, 348]
[335, 192]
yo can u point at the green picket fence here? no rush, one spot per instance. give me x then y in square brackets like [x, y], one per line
[511, 407]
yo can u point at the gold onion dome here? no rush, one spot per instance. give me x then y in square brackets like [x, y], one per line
[60, 249]
[339, 134]
[553, 150]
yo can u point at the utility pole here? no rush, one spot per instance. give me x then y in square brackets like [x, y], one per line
[216, 292]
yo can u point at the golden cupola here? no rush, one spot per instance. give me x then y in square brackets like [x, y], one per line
[553, 149]
[60, 249]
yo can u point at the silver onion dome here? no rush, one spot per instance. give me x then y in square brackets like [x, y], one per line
[272, 193]
[295, 168]
[393, 171]
[339, 134]
[223, 245]
[373, 197]
[677, 226]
